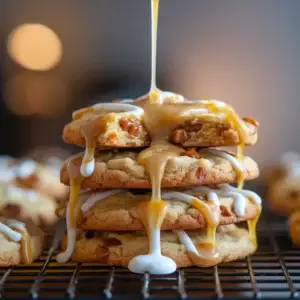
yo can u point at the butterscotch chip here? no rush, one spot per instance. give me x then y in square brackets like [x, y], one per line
[121, 170]
[232, 242]
[120, 212]
[11, 252]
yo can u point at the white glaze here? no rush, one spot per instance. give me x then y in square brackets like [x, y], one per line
[239, 204]
[249, 194]
[10, 233]
[188, 198]
[186, 241]
[87, 169]
[236, 164]
[63, 257]
[14, 192]
[15, 224]
[118, 107]
[154, 262]
[98, 196]
[7, 172]
[26, 168]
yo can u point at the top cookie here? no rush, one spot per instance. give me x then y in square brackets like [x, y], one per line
[121, 125]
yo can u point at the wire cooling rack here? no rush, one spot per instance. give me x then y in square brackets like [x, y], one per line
[273, 272]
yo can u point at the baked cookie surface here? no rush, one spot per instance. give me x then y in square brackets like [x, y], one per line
[27, 204]
[118, 249]
[122, 170]
[127, 131]
[11, 250]
[119, 211]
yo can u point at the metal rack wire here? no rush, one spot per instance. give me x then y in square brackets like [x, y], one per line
[273, 272]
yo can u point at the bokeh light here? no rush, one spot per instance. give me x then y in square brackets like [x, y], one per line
[42, 94]
[34, 47]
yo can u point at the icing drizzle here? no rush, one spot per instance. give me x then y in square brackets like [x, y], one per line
[16, 231]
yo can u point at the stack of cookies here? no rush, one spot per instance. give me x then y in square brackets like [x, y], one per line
[151, 191]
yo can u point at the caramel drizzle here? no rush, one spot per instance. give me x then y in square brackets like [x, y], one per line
[252, 228]
[26, 246]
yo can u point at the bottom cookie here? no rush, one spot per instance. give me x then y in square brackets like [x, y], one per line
[119, 248]
[20, 243]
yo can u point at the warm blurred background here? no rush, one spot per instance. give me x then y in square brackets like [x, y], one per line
[62, 55]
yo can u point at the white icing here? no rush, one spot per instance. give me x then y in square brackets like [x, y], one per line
[25, 169]
[236, 164]
[249, 194]
[98, 196]
[15, 224]
[63, 257]
[188, 198]
[7, 172]
[154, 262]
[10, 233]
[186, 241]
[14, 192]
[118, 107]
[87, 169]
[239, 204]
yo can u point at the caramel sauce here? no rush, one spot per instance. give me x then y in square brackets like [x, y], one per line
[208, 255]
[75, 185]
[211, 215]
[252, 228]
[152, 214]
[26, 246]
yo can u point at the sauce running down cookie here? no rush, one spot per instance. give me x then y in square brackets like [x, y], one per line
[164, 124]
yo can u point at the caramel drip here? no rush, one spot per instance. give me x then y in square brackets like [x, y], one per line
[152, 214]
[154, 94]
[208, 255]
[75, 185]
[26, 246]
[212, 218]
[252, 228]
[88, 132]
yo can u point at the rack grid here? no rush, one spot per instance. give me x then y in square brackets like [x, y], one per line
[273, 272]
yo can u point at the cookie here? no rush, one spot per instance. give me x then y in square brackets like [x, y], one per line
[16, 247]
[118, 210]
[125, 129]
[121, 170]
[283, 185]
[119, 248]
[294, 227]
[33, 175]
[27, 204]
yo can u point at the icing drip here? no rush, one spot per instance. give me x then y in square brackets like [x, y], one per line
[98, 196]
[75, 184]
[90, 131]
[238, 195]
[236, 164]
[199, 253]
[17, 232]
